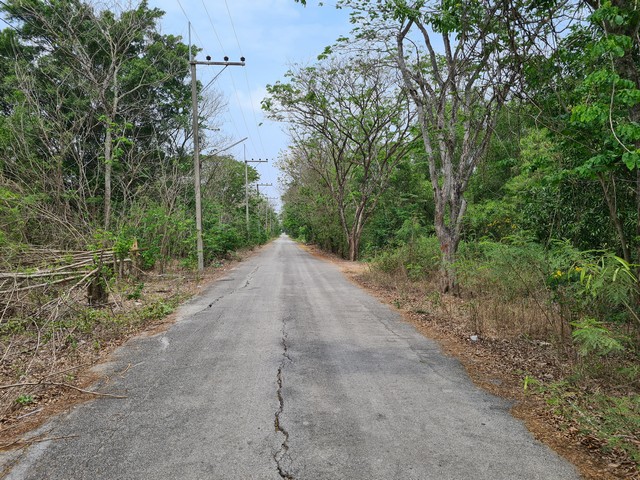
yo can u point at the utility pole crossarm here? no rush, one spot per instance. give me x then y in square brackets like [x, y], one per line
[258, 185]
[219, 64]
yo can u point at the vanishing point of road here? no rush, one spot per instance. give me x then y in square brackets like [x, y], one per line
[284, 369]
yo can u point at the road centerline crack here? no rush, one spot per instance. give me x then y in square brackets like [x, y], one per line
[284, 447]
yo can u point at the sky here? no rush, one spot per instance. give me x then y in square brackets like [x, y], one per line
[271, 35]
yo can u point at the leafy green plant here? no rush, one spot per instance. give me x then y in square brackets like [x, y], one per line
[530, 383]
[419, 259]
[511, 269]
[136, 293]
[25, 399]
[610, 283]
[593, 338]
[614, 420]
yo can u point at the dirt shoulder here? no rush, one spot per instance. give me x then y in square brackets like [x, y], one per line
[496, 365]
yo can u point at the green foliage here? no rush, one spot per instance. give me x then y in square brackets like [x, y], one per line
[612, 419]
[156, 310]
[418, 259]
[136, 293]
[222, 239]
[593, 338]
[162, 234]
[84, 73]
[25, 399]
[610, 281]
[492, 219]
[508, 270]
[599, 284]
[13, 326]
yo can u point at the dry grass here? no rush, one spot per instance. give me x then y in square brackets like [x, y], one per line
[532, 317]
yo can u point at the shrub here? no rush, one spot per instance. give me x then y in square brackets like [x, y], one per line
[220, 241]
[514, 268]
[418, 260]
[594, 339]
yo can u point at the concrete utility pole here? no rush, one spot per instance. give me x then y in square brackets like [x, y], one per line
[268, 217]
[258, 185]
[246, 184]
[196, 142]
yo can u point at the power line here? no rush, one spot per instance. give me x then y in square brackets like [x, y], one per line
[222, 50]
[189, 20]
[246, 76]
[213, 27]
[244, 118]
[8, 24]
[232, 79]
[232, 25]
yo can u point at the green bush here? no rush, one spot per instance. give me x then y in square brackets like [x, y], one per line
[162, 235]
[491, 219]
[514, 268]
[419, 259]
[220, 241]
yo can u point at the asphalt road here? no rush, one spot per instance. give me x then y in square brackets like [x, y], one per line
[284, 369]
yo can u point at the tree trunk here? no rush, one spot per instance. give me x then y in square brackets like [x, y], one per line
[108, 145]
[355, 234]
[354, 246]
[449, 241]
[611, 200]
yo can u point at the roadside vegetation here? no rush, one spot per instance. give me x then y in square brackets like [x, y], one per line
[512, 218]
[97, 202]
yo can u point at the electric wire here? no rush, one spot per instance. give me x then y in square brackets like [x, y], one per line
[246, 76]
[8, 24]
[213, 27]
[215, 32]
[233, 123]
[232, 78]
[233, 83]
[190, 22]
[233, 27]
[236, 91]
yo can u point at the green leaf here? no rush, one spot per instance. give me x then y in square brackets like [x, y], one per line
[631, 160]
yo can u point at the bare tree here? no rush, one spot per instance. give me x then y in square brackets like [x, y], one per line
[350, 123]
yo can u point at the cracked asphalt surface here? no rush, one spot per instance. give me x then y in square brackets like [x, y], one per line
[284, 369]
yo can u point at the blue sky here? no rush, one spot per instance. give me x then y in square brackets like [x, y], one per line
[271, 35]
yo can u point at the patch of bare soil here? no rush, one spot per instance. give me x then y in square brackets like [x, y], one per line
[53, 392]
[496, 365]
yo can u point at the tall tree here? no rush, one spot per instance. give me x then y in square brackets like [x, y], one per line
[120, 66]
[460, 61]
[604, 122]
[106, 94]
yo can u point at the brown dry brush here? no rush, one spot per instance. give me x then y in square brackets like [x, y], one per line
[46, 305]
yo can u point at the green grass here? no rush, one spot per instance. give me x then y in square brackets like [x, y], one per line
[613, 420]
